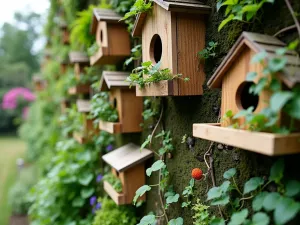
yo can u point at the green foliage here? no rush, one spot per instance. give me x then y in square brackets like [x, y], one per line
[241, 10]
[188, 193]
[209, 51]
[279, 206]
[149, 111]
[114, 181]
[93, 49]
[136, 53]
[201, 215]
[111, 214]
[147, 73]
[102, 109]
[140, 192]
[140, 6]
[159, 164]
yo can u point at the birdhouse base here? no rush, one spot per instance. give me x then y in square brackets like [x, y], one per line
[110, 127]
[260, 142]
[118, 198]
[161, 88]
[79, 89]
[102, 57]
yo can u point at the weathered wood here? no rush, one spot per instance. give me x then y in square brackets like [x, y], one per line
[118, 198]
[83, 105]
[78, 57]
[110, 127]
[162, 88]
[126, 157]
[260, 142]
[113, 79]
[79, 89]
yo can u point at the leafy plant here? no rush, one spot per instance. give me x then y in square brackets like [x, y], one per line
[201, 215]
[241, 10]
[147, 73]
[140, 6]
[102, 109]
[136, 53]
[281, 202]
[114, 182]
[188, 193]
[149, 111]
[209, 51]
[93, 49]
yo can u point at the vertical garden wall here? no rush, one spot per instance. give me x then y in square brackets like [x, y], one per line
[239, 172]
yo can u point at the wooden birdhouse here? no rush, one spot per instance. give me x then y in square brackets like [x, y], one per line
[65, 34]
[89, 130]
[80, 60]
[39, 83]
[83, 89]
[173, 32]
[123, 98]
[128, 165]
[112, 37]
[231, 77]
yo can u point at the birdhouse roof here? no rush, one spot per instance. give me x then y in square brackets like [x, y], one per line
[259, 43]
[127, 157]
[83, 106]
[78, 57]
[113, 79]
[107, 15]
[184, 6]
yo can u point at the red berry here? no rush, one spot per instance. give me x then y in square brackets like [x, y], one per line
[197, 173]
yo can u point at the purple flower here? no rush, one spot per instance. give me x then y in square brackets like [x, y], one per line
[93, 200]
[98, 206]
[10, 99]
[109, 148]
[99, 178]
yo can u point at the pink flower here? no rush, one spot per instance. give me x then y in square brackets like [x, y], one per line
[25, 113]
[10, 99]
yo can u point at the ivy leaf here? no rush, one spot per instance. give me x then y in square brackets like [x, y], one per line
[270, 201]
[258, 201]
[147, 220]
[217, 221]
[253, 184]
[178, 221]
[276, 173]
[224, 200]
[277, 64]
[260, 219]
[87, 192]
[140, 192]
[214, 192]
[251, 76]
[85, 179]
[229, 173]
[294, 107]
[286, 209]
[155, 167]
[224, 187]
[259, 57]
[279, 99]
[172, 199]
[238, 218]
[292, 188]
[224, 22]
[78, 202]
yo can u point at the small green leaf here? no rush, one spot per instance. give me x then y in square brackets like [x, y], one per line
[86, 179]
[224, 200]
[78, 202]
[260, 219]
[253, 184]
[258, 201]
[87, 192]
[155, 167]
[251, 76]
[270, 201]
[286, 210]
[214, 192]
[224, 22]
[224, 187]
[229, 173]
[259, 57]
[279, 99]
[238, 218]
[140, 192]
[277, 64]
[229, 114]
[276, 173]
[178, 221]
[292, 188]
[217, 221]
[172, 199]
[147, 220]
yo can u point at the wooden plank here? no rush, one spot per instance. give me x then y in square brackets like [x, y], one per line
[127, 157]
[83, 105]
[78, 57]
[79, 89]
[260, 142]
[118, 198]
[138, 25]
[110, 127]
[162, 88]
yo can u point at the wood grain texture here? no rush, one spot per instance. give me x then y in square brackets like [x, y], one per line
[162, 88]
[118, 198]
[110, 127]
[79, 89]
[113, 79]
[260, 142]
[83, 105]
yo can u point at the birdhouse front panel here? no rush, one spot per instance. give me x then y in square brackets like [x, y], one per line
[235, 88]
[174, 38]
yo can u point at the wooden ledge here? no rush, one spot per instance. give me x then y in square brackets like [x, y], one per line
[260, 142]
[102, 57]
[110, 127]
[81, 139]
[79, 89]
[118, 198]
[161, 88]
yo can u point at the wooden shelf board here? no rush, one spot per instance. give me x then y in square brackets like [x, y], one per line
[260, 142]
[102, 58]
[80, 89]
[118, 198]
[110, 127]
[162, 88]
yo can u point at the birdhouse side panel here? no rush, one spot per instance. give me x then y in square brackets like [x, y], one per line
[190, 39]
[235, 89]
[116, 101]
[101, 35]
[118, 40]
[158, 22]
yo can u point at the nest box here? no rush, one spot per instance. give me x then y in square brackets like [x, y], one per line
[112, 37]
[39, 83]
[231, 77]
[88, 131]
[123, 98]
[79, 89]
[128, 164]
[173, 32]
[65, 34]
[80, 61]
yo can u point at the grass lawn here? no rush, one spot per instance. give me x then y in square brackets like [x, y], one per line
[11, 148]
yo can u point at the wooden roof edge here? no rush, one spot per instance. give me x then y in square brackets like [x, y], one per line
[139, 160]
[105, 82]
[138, 25]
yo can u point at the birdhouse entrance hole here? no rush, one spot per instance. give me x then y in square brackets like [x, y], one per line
[101, 36]
[245, 99]
[115, 103]
[155, 49]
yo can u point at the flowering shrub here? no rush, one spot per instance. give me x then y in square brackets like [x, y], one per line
[13, 96]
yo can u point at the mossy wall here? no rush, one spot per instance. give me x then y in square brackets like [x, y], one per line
[181, 112]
